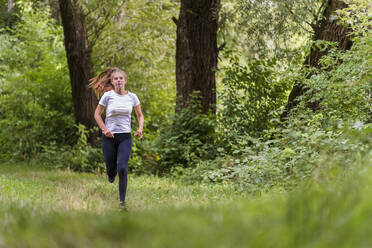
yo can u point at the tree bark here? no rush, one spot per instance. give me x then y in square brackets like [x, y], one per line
[327, 30]
[79, 63]
[10, 5]
[196, 53]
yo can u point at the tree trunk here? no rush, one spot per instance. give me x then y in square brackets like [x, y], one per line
[79, 63]
[10, 5]
[196, 53]
[327, 30]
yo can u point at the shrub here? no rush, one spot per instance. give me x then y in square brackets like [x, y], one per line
[35, 94]
[280, 154]
[250, 95]
[190, 138]
[80, 157]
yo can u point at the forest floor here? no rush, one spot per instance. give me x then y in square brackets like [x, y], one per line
[41, 207]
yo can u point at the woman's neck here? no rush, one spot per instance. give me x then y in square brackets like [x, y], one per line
[121, 91]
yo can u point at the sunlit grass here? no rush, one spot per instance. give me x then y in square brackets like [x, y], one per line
[51, 208]
[36, 187]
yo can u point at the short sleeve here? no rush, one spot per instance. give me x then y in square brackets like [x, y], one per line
[104, 99]
[136, 101]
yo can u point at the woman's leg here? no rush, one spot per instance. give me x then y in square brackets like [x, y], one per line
[110, 156]
[124, 150]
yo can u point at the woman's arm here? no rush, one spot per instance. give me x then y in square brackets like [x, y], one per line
[140, 119]
[101, 124]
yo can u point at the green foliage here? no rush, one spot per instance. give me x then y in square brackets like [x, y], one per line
[79, 157]
[144, 156]
[34, 84]
[284, 154]
[35, 95]
[191, 138]
[259, 28]
[290, 156]
[245, 145]
[251, 93]
[35, 91]
[343, 84]
[8, 19]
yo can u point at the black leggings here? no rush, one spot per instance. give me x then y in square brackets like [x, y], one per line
[116, 152]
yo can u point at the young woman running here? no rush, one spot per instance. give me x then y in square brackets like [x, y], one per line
[116, 130]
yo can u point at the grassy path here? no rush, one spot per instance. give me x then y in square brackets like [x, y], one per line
[56, 190]
[51, 208]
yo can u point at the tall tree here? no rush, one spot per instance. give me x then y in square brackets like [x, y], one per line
[327, 29]
[196, 53]
[262, 28]
[10, 5]
[79, 62]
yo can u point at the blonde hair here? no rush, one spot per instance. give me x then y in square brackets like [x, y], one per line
[102, 83]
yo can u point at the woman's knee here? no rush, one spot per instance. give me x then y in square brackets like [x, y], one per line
[122, 170]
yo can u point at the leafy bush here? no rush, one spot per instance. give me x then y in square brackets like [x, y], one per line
[7, 19]
[250, 95]
[190, 138]
[291, 156]
[35, 94]
[80, 157]
[287, 153]
[145, 156]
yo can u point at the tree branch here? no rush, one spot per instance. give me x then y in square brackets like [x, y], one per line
[10, 5]
[295, 17]
[174, 19]
[222, 46]
[95, 29]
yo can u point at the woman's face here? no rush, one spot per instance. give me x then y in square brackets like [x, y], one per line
[118, 80]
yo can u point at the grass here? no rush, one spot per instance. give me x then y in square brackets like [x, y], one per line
[36, 187]
[50, 208]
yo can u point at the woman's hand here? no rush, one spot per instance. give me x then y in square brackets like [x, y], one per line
[139, 133]
[108, 133]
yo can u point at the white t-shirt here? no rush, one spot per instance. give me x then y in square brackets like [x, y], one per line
[118, 110]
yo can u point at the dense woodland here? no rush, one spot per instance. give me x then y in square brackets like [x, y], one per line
[253, 93]
[249, 92]
[269, 101]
